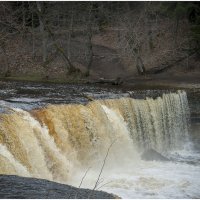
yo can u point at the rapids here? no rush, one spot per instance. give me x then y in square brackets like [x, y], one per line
[65, 141]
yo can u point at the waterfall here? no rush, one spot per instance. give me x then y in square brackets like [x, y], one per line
[10, 164]
[54, 141]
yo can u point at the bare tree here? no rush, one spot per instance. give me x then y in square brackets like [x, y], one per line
[129, 40]
[70, 67]
[8, 28]
[70, 30]
[89, 47]
[42, 30]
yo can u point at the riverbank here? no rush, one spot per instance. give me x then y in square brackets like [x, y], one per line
[41, 79]
[15, 187]
[182, 81]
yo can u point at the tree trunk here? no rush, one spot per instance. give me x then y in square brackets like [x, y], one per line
[42, 31]
[90, 50]
[89, 44]
[7, 72]
[135, 53]
[176, 32]
[33, 36]
[149, 35]
[70, 67]
[140, 65]
[23, 17]
[70, 33]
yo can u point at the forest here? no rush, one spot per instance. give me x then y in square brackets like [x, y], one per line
[80, 40]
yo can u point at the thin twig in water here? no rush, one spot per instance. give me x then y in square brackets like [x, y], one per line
[104, 184]
[82, 181]
[104, 162]
[102, 167]
[84, 177]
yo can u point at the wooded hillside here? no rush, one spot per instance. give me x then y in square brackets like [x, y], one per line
[98, 39]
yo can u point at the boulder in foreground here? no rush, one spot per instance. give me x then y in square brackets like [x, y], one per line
[15, 187]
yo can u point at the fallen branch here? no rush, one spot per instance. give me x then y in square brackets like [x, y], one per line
[117, 81]
[87, 97]
[164, 67]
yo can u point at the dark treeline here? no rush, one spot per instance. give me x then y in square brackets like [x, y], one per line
[49, 34]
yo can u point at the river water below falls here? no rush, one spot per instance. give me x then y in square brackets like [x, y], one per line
[53, 132]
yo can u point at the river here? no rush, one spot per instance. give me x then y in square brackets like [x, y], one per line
[53, 131]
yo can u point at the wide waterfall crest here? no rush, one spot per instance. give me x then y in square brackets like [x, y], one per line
[160, 124]
[54, 141]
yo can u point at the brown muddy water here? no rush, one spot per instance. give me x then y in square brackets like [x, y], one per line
[53, 132]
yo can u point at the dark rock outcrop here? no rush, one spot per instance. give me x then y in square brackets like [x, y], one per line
[152, 154]
[15, 187]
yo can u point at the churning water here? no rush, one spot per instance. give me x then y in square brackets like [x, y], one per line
[64, 142]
